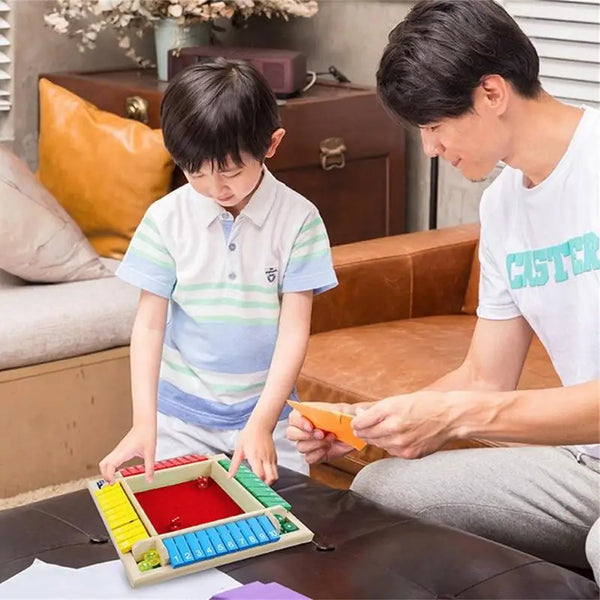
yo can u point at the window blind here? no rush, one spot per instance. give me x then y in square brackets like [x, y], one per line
[5, 57]
[566, 34]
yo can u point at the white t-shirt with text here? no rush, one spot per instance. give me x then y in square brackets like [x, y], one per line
[540, 258]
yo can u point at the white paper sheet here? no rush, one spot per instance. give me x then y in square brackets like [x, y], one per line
[106, 581]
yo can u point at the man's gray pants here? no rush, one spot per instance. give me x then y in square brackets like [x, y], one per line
[541, 500]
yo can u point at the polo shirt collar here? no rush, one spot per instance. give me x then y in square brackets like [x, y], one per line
[262, 200]
[256, 210]
[208, 211]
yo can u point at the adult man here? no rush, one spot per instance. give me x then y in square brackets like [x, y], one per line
[465, 73]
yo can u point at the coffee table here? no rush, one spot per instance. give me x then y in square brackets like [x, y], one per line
[360, 551]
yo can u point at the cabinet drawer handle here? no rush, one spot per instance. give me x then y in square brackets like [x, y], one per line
[332, 153]
[136, 108]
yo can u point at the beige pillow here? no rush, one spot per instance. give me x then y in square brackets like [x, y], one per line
[38, 239]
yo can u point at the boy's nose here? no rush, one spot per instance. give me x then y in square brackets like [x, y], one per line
[219, 189]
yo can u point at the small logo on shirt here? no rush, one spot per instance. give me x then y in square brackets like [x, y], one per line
[271, 274]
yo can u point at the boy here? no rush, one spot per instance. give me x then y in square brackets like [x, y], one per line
[227, 265]
[464, 72]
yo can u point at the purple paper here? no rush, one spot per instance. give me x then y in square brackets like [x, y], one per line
[260, 591]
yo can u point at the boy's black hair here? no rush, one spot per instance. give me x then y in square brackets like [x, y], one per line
[216, 110]
[439, 54]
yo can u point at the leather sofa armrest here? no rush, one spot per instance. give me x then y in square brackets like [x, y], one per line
[398, 277]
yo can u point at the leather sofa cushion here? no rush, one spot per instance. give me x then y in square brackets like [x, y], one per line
[472, 293]
[397, 277]
[367, 363]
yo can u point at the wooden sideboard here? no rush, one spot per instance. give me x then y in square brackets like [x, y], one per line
[330, 124]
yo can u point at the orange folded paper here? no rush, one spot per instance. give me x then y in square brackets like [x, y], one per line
[330, 421]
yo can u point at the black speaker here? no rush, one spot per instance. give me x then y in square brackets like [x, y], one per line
[285, 70]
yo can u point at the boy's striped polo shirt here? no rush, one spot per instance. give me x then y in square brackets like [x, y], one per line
[225, 279]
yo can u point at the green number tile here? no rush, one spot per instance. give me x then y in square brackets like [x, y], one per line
[288, 527]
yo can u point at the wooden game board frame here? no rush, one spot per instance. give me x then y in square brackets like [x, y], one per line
[208, 468]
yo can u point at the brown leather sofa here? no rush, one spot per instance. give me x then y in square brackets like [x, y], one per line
[402, 316]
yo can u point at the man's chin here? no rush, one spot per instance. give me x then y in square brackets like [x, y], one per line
[476, 176]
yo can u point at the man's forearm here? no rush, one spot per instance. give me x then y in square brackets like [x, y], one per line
[462, 378]
[557, 416]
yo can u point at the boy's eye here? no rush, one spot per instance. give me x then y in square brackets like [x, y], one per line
[232, 175]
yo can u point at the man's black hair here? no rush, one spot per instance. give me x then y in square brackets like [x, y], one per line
[216, 110]
[440, 53]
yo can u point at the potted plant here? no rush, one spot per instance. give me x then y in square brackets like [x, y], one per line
[176, 23]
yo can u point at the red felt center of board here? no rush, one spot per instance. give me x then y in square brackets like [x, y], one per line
[193, 505]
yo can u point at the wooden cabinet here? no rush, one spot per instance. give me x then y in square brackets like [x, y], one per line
[363, 199]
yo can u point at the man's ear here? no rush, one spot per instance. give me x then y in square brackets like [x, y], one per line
[495, 93]
[276, 138]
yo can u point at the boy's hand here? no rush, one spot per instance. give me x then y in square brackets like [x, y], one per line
[139, 441]
[316, 445]
[255, 444]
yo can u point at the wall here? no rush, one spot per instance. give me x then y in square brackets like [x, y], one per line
[459, 198]
[37, 49]
[349, 34]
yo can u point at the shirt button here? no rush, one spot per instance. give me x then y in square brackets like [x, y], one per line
[232, 275]
[232, 246]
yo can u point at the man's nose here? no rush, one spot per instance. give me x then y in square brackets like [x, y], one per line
[431, 145]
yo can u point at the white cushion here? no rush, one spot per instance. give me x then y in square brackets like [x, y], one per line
[52, 321]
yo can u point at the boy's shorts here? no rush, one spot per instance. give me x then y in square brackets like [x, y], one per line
[178, 438]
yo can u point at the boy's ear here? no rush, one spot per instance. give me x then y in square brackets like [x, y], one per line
[276, 138]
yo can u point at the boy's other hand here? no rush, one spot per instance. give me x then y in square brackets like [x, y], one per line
[255, 444]
[317, 445]
[140, 442]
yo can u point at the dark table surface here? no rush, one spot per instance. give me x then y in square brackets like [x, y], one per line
[361, 551]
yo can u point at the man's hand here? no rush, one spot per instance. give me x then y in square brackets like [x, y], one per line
[410, 425]
[316, 445]
[140, 441]
[255, 444]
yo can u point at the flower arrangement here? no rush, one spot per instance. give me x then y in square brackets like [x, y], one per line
[85, 19]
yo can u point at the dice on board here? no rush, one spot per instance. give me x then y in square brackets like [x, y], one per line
[202, 482]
